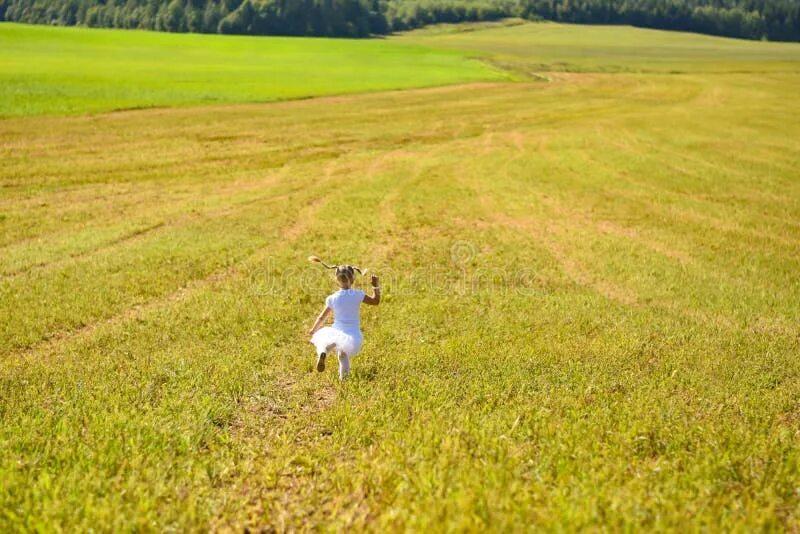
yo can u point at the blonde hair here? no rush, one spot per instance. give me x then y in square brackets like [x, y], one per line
[343, 272]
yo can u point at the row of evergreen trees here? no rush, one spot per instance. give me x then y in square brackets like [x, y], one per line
[751, 19]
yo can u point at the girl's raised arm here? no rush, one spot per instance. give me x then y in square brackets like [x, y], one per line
[375, 299]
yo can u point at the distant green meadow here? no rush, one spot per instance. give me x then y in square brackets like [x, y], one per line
[532, 48]
[55, 70]
[58, 71]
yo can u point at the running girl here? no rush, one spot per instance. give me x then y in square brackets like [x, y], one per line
[345, 335]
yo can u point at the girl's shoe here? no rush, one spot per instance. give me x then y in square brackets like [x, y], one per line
[321, 362]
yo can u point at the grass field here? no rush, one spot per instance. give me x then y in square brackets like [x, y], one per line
[590, 316]
[47, 70]
[532, 49]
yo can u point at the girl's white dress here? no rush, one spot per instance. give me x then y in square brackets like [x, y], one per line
[346, 330]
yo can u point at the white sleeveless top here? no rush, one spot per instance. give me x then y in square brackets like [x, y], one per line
[345, 304]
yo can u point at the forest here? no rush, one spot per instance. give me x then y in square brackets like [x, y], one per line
[776, 20]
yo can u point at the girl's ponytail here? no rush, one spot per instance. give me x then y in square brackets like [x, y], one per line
[316, 259]
[341, 270]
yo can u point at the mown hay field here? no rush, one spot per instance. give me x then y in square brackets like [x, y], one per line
[590, 314]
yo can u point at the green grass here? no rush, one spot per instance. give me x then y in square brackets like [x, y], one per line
[52, 70]
[590, 314]
[543, 47]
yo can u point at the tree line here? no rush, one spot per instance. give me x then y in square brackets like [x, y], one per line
[751, 19]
